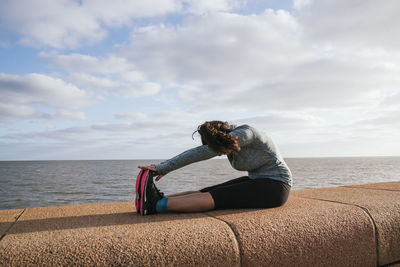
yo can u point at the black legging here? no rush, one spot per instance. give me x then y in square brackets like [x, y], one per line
[244, 192]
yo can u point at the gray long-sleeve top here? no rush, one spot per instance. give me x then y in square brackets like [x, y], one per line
[258, 155]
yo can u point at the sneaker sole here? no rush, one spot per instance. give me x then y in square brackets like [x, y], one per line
[143, 186]
[137, 199]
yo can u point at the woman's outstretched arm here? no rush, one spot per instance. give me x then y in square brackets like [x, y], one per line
[189, 156]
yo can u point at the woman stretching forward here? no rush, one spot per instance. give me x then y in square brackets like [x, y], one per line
[267, 185]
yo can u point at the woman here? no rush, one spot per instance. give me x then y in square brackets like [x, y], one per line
[267, 185]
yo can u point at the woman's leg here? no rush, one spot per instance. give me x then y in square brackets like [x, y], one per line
[195, 202]
[253, 193]
[207, 189]
[243, 193]
[184, 193]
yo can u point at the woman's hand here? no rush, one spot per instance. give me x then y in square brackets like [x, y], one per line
[152, 168]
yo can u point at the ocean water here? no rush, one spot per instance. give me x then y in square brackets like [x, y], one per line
[25, 184]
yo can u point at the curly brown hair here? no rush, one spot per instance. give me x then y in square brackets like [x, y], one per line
[216, 135]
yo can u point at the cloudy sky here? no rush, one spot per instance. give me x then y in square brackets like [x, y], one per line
[99, 79]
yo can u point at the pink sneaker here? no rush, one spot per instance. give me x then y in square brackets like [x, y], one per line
[137, 199]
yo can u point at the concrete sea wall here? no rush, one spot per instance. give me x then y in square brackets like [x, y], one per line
[342, 226]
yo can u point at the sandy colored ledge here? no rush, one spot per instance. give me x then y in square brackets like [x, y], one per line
[304, 232]
[113, 234]
[7, 219]
[343, 226]
[383, 206]
[391, 186]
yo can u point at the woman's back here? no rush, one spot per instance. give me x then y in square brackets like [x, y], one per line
[258, 155]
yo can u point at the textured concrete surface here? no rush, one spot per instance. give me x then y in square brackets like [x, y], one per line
[382, 205]
[303, 232]
[343, 226]
[7, 218]
[391, 186]
[113, 234]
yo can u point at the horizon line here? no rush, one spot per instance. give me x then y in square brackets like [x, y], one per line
[121, 159]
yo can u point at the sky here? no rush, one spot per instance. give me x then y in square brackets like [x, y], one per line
[99, 79]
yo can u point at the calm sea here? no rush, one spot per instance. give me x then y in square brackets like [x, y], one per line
[27, 184]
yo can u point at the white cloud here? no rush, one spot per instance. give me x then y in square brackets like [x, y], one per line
[392, 100]
[58, 24]
[139, 116]
[21, 96]
[132, 76]
[218, 56]
[261, 62]
[219, 47]
[206, 6]
[283, 121]
[111, 73]
[119, 12]
[298, 4]
[71, 24]
[325, 75]
[94, 82]
[42, 89]
[382, 121]
[124, 131]
[116, 85]
[354, 24]
[65, 115]
[87, 64]
[12, 111]
[68, 24]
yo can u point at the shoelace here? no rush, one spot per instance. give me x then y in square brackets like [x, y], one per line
[161, 194]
